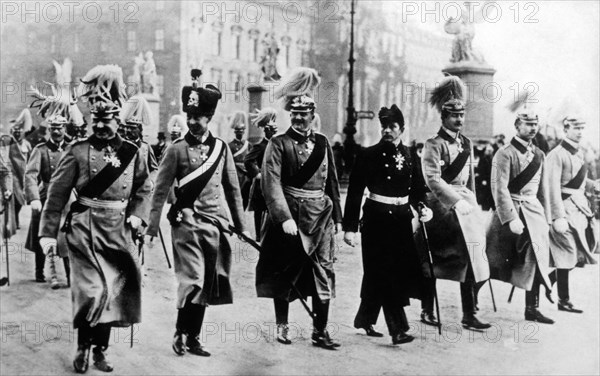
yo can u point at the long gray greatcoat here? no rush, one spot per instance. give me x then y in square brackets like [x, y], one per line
[515, 258]
[457, 242]
[105, 266]
[574, 247]
[6, 184]
[201, 249]
[40, 167]
[19, 155]
[306, 259]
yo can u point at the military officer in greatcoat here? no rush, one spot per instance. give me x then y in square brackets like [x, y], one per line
[518, 245]
[207, 189]
[239, 148]
[110, 176]
[391, 264]
[301, 191]
[267, 120]
[19, 152]
[573, 235]
[456, 232]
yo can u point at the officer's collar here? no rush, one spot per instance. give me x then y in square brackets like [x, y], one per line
[193, 140]
[571, 146]
[520, 144]
[449, 135]
[297, 136]
[100, 144]
[54, 146]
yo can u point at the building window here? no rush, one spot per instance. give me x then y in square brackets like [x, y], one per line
[75, 42]
[216, 77]
[286, 40]
[236, 33]
[218, 38]
[301, 45]
[131, 40]
[253, 35]
[159, 40]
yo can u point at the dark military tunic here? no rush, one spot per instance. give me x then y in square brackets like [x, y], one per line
[6, 184]
[253, 163]
[201, 249]
[105, 266]
[40, 167]
[305, 259]
[390, 261]
[239, 149]
[19, 155]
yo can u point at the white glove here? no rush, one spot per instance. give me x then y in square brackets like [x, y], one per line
[462, 207]
[349, 238]
[36, 205]
[560, 225]
[425, 214]
[516, 226]
[134, 221]
[7, 194]
[290, 227]
[47, 244]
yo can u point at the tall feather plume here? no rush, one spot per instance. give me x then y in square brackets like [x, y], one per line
[237, 118]
[264, 116]
[521, 101]
[104, 83]
[300, 81]
[177, 120]
[25, 118]
[451, 87]
[137, 109]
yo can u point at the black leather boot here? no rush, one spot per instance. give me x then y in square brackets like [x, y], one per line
[402, 337]
[100, 359]
[532, 302]
[323, 340]
[567, 306]
[195, 347]
[82, 358]
[283, 332]
[179, 343]
[428, 317]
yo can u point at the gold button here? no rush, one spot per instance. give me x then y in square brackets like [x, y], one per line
[384, 154]
[191, 149]
[95, 199]
[193, 160]
[93, 158]
[94, 170]
[387, 165]
[389, 178]
[124, 185]
[216, 196]
[91, 147]
[51, 166]
[51, 157]
[126, 172]
[296, 142]
[390, 212]
[122, 213]
[300, 152]
[324, 164]
[122, 200]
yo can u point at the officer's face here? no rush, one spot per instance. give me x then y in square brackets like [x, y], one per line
[131, 132]
[301, 121]
[526, 130]
[454, 121]
[17, 133]
[57, 132]
[81, 132]
[575, 132]
[103, 128]
[197, 124]
[270, 129]
[175, 135]
[239, 131]
[390, 131]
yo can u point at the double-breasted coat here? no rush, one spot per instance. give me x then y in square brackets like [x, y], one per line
[519, 191]
[391, 264]
[457, 242]
[201, 247]
[310, 196]
[567, 200]
[106, 278]
[253, 163]
[40, 167]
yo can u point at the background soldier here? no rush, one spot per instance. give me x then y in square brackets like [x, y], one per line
[239, 148]
[301, 191]
[110, 176]
[457, 238]
[390, 262]
[207, 179]
[19, 151]
[265, 119]
[160, 146]
[518, 246]
[572, 236]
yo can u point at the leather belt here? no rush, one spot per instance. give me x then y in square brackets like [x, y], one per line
[387, 199]
[303, 193]
[102, 204]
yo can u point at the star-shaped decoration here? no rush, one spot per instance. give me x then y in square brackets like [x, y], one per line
[460, 148]
[399, 158]
[204, 152]
[112, 159]
[310, 145]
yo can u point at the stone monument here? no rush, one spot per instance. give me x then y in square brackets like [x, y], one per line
[144, 83]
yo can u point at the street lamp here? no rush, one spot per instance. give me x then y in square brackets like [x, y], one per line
[350, 146]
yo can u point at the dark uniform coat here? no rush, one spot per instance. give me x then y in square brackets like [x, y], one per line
[253, 163]
[6, 184]
[574, 247]
[515, 258]
[201, 249]
[19, 154]
[105, 267]
[390, 262]
[306, 259]
[40, 167]
[239, 149]
[457, 242]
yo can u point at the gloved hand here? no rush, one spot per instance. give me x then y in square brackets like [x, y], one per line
[36, 205]
[338, 228]
[134, 221]
[560, 225]
[516, 226]
[425, 214]
[462, 207]
[290, 227]
[7, 194]
[47, 244]
[349, 238]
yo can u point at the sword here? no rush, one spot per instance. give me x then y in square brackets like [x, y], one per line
[512, 291]
[430, 262]
[257, 246]
[492, 293]
[5, 280]
[162, 241]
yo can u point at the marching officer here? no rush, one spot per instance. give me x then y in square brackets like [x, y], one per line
[110, 176]
[239, 148]
[573, 236]
[458, 241]
[19, 152]
[207, 189]
[301, 192]
[267, 120]
[518, 245]
[390, 261]
[177, 127]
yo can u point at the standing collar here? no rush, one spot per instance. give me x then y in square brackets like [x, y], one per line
[99, 144]
[297, 136]
[54, 146]
[520, 144]
[571, 146]
[449, 135]
[193, 140]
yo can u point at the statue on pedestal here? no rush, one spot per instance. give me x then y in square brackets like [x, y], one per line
[464, 29]
[144, 74]
[268, 59]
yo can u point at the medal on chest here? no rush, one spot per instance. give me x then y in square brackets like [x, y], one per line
[110, 156]
[459, 147]
[204, 152]
[310, 146]
[399, 158]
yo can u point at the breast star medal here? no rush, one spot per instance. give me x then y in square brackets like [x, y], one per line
[399, 158]
[310, 146]
[460, 148]
[111, 157]
[204, 152]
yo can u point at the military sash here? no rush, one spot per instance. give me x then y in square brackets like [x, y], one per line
[191, 185]
[242, 150]
[458, 165]
[577, 181]
[310, 166]
[525, 176]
